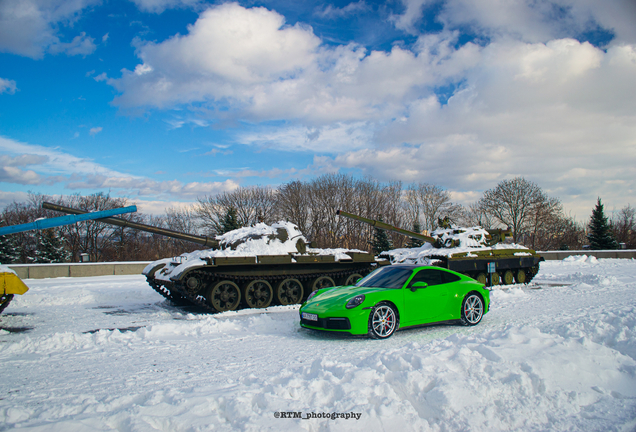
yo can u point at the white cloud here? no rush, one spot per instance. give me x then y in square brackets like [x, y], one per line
[336, 138]
[331, 12]
[7, 86]
[94, 131]
[158, 6]
[412, 14]
[9, 174]
[562, 114]
[80, 45]
[29, 27]
[542, 20]
[51, 166]
[229, 47]
[247, 60]
[7, 198]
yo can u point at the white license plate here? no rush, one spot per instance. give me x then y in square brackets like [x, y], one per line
[310, 317]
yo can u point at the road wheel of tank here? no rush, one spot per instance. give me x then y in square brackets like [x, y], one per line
[352, 279]
[4, 301]
[520, 277]
[289, 291]
[224, 296]
[508, 278]
[193, 284]
[495, 279]
[482, 278]
[321, 282]
[258, 294]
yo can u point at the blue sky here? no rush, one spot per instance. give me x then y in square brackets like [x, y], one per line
[164, 101]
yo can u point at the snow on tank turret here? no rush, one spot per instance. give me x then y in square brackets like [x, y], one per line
[465, 250]
[256, 267]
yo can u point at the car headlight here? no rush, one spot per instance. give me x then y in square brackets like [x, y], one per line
[311, 295]
[356, 301]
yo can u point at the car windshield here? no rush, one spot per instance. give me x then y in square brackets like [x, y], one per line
[386, 277]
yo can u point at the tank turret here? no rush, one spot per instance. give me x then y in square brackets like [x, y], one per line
[465, 250]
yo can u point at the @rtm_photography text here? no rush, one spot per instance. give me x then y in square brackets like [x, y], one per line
[314, 415]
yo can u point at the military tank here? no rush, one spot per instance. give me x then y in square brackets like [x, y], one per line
[470, 251]
[252, 267]
[256, 267]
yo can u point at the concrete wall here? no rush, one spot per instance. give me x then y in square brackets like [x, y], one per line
[41, 271]
[559, 255]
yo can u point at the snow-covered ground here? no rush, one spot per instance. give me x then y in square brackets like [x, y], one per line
[107, 353]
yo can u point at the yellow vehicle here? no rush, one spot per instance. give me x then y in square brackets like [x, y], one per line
[10, 284]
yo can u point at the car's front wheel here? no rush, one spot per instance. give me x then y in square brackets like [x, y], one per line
[383, 321]
[472, 309]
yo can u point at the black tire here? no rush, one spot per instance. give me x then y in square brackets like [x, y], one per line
[4, 301]
[472, 309]
[383, 321]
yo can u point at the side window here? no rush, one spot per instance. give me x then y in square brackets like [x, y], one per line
[449, 277]
[431, 277]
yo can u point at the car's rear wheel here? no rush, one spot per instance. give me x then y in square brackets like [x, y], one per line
[472, 309]
[383, 321]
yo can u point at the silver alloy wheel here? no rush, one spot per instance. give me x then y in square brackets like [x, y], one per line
[384, 321]
[473, 309]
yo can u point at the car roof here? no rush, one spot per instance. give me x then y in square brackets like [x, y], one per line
[415, 266]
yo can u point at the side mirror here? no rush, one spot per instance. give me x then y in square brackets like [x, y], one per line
[418, 285]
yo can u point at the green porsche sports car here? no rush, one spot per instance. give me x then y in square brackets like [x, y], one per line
[395, 297]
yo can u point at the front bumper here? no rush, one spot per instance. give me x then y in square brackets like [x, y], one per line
[333, 323]
[356, 323]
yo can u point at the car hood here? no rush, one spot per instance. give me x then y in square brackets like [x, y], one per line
[338, 297]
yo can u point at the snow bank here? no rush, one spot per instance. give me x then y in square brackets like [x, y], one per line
[559, 354]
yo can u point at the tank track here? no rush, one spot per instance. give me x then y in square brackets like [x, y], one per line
[165, 292]
[199, 300]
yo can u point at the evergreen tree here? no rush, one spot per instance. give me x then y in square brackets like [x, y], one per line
[230, 221]
[381, 240]
[51, 248]
[9, 250]
[600, 232]
[413, 242]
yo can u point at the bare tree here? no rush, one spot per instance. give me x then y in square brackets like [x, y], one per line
[252, 204]
[426, 203]
[513, 203]
[624, 226]
[294, 204]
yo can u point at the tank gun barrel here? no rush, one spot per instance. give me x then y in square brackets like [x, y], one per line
[387, 227]
[202, 240]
